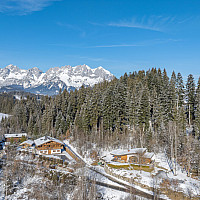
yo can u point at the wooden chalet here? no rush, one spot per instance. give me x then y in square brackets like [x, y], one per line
[27, 144]
[133, 156]
[14, 137]
[48, 145]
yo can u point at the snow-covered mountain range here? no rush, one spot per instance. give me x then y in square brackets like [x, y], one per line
[50, 82]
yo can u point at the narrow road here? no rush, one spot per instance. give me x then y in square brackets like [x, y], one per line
[108, 185]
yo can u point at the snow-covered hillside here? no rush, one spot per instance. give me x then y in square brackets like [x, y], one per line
[50, 82]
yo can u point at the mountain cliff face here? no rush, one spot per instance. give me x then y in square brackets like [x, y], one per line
[66, 77]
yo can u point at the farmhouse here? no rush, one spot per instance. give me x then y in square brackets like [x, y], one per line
[134, 156]
[48, 145]
[14, 137]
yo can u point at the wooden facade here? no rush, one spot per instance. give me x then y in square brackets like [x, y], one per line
[50, 147]
[133, 159]
[121, 159]
[27, 144]
[14, 138]
[147, 161]
[139, 159]
[139, 156]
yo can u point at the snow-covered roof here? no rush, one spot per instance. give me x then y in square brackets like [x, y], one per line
[148, 155]
[46, 139]
[15, 135]
[31, 142]
[120, 152]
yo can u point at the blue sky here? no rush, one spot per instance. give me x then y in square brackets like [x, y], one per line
[120, 35]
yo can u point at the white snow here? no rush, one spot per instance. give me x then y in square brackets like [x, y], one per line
[67, 155]
[18, 97]
[73, 149]
[110, 194]
[53, 156]
[187, 185]
[2, 115]
[16, 75]
[31, 142]
[64, 76]
[148, 155]
[120, 152]
[15, 135]
[46, 139]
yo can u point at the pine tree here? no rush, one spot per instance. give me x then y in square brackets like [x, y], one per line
[180, 90]
[190, 94]
[173, 97]
[197, 111]
[144, 109]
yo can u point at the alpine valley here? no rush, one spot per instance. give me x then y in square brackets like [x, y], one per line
[50, 82]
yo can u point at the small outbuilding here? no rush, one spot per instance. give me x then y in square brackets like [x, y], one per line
[14, 137]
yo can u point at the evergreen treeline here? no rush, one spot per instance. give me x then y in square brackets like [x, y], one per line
[7, 103]
[142, 109]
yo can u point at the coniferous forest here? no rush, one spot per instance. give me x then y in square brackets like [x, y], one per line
[140, 109]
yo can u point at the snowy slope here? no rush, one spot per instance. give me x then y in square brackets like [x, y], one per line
[66, 77]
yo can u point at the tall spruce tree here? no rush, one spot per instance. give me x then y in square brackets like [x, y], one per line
[190, 95]
[197, 111]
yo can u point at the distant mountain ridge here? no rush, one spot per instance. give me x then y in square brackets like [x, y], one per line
[50, 82]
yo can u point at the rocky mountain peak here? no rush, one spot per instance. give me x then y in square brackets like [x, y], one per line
[51, 81]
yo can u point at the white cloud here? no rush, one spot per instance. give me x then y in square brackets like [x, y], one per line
[164, 24]
[85, 58]
[118, 45]
[23, 7]
[141, 44]
[153, 23]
